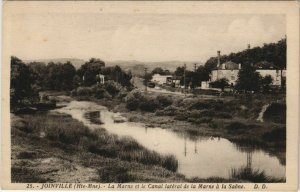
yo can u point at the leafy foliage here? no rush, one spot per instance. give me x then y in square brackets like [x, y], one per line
[159, 70]
[22, 91]
[273, 52]
[266, 83]
[89, 70]
[220, 83]
[248, 79]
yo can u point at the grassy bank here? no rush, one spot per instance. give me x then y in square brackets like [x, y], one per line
[57, 148]
[231, 117]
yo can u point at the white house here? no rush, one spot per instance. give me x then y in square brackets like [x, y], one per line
[230, 70]
[162, 79]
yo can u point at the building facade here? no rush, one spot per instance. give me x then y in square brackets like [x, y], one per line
[230, 71]
[162, 79]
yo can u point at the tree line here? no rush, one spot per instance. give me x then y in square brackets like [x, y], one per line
[28, 79]
[274, 53]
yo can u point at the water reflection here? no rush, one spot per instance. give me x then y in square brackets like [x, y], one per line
[199, 156]
[94, 117]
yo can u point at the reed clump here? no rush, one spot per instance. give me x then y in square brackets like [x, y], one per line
[70, 135]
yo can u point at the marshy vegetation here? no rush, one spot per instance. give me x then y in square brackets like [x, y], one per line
[61, 132]
[255, 176]
[232, 117]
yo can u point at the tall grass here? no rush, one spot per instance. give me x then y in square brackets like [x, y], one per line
[255, 176]
[25, 175]
[71, 135]
[115, 174]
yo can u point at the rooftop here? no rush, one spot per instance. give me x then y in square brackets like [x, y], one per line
[229, 65]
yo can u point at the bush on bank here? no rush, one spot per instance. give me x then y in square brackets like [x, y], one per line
[135, 100]
[276, 113]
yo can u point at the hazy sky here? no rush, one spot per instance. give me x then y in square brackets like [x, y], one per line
[144, 37]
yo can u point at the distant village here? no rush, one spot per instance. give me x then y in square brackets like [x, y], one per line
[228, 70]
[225, 71]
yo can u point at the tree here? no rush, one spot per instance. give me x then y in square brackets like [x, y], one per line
[147, 78]
[273, 52]
[21, 81]
[76, 81]
[266, 83]
[201, 74]
[159, 70]
[89, 70]
[248, 79]
[39, 72]
[220, 83]
[179, 71]
[68, 73]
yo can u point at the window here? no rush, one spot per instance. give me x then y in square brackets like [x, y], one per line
[232, 77]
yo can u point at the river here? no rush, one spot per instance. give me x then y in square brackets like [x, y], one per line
[201, 157]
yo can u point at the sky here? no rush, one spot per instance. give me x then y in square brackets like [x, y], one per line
[142, 37]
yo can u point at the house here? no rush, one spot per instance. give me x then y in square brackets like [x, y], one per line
[265, 68]
[176, 81]
[162, 79]
[230, 71]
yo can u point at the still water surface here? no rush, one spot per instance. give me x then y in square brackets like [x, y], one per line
[201, 157]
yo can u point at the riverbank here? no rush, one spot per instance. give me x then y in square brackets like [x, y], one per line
[51, 159]
[56, 148]
[234, 118]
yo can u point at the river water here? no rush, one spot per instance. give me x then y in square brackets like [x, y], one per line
[201, 157]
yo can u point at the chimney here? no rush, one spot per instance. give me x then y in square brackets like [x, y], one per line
[219, 58]
[248, 46]
[223, 66]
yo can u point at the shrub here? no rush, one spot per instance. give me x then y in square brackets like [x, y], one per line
[276, 112]
[133, 100]
[74, 93]
[99, 92]
[253, 175]
[129, 144]
[84, 91]
[277, 134]
[170, 163]
[106, 151]
[181, 116]
[207, 113]
[149, 105]
[26, 175]
[27, 155]
[200, 120]
[195, 114]
[224, 115]
[236, 126]
[115, 174]
[168, 111]
[112, 88]
[213, 125]
[164, 100]
[200, 104]
[217, 104]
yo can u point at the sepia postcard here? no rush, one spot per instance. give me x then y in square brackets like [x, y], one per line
[150, 95]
